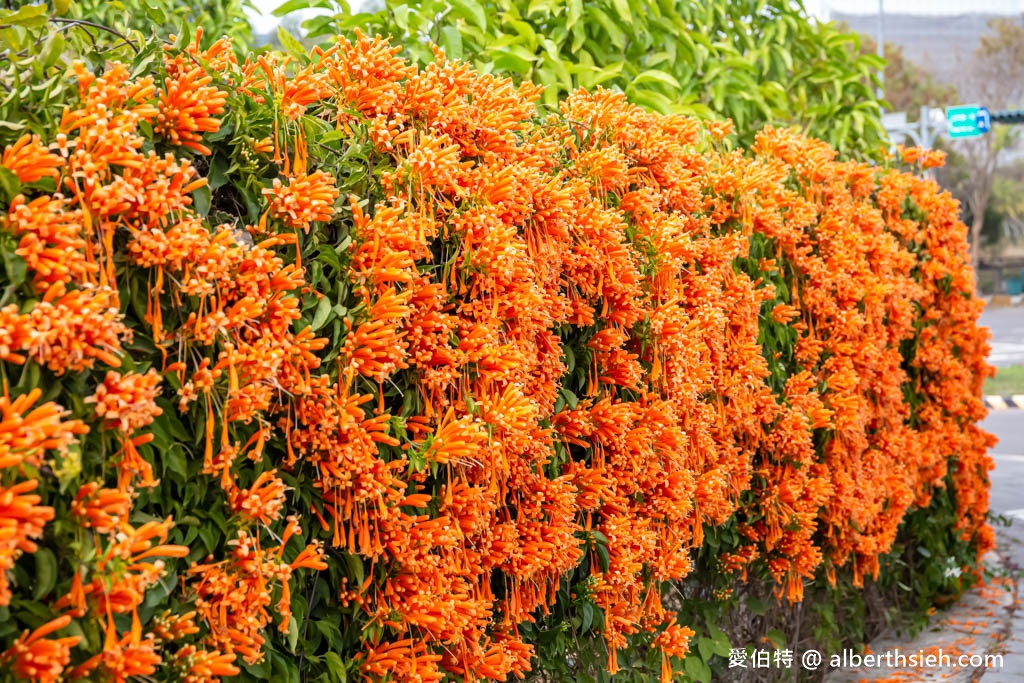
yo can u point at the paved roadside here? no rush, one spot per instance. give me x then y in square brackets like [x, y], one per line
[963, 644]
[1007, 500]
[983, 634]
[1011, 547]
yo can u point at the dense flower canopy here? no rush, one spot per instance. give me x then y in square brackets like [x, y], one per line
[352, 343]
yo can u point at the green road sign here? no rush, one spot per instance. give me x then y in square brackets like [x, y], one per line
[967, 121]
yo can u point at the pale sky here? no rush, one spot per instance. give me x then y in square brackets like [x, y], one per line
[821, 8]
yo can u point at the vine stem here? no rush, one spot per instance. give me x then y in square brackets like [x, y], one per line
[101, 27]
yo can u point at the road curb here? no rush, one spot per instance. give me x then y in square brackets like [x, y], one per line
[1004, 402]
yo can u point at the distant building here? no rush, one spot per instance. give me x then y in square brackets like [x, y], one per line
[941, 44]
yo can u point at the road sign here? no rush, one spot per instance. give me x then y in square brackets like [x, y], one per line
[967, 121]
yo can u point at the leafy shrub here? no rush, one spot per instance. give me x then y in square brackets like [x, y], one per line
[339, 367]
[755, 62]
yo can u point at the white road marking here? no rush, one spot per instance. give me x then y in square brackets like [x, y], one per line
[1006, 352]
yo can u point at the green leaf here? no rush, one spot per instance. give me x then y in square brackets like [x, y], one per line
[650, 99]
[332, 136]
[602, 557]
[293, 634]
[201, 199]
[210, 536]
[539, 7]
[290, 43]
[777, 638]
[588, 616]
[355, 567]
[220, 167]
[470, 10]
[29, 16]
[657, 76]
[617, 36]
[155, 13]
[696, 669]
[323, 311]
[336, 667]
[294, 6]
[174, 461]
[9, 184]
[721, 642]
[52, 49]
[14, 267]
[507, 61]
[572, 401]
[451, 41]
[417, 459]
[622, 9]
[46, 573]
[574, 14]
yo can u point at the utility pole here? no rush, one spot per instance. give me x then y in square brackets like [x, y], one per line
[881, 48]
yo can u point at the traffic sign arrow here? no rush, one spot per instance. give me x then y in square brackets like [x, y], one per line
[983, 120]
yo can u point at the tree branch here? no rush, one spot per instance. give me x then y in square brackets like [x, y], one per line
[101, 27]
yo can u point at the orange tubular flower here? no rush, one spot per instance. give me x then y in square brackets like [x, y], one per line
[205, 666]
[101, 509]
[127, 401]
[189, 106]
[51, 241]
[137, 543]
[456, 440]
[304, 200]
[262, 501]
[25, 432]
[311, 557]
[404, 661]
[674, 641]
[30, 161]
[75, 329]
[39, 659]
[128, 658]
[21, 519]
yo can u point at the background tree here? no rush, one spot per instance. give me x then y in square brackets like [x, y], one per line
[755, 61]
[995, 80]
[1008, 205]
[908, 86]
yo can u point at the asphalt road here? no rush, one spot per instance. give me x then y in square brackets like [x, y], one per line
[1008, 476]
[1007, 499]
[1007, 325]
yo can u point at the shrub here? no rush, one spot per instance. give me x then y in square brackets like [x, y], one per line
[755, 62]
[342, 367]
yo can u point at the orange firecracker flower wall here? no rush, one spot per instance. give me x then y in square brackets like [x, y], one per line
[509, 364]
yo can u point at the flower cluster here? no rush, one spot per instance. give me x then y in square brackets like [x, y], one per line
[523, 368]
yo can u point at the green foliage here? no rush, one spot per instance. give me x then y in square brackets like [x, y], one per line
[36, 49]
[757, 62]
[1008, 381]
[166, 17]
[109, 24]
